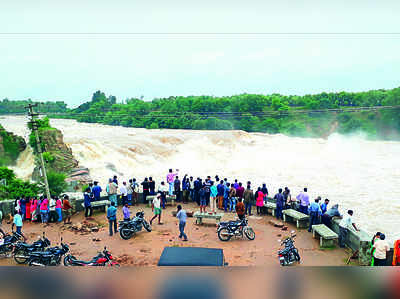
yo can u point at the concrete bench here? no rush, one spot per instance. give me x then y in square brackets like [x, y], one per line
[199, 217]
[270, 206]
[327, 236]
[99, 204]
[149, 199]
[300, 218]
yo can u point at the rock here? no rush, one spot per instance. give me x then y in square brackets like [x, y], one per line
[275, 223]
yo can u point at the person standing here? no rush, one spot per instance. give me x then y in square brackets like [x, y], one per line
[304, 200]
[240, 191]
[185, 189]
[112, 189]
[87, 203]
[345, 224]
[240, 209]
[208, 192]
[181, 215]
[197, 187]
[213, 198]
[129, 192]
[236, 184]
[226, 196]
[177, 189]
[152, 186]
[67, 208]
[18, 223]
[248, 200]
[28, 209]
[162, 189]
[156, 208]
[315, 212]
[191, 188]
[135, 191]
[112, 218]
[126, 212]
[264, 190]
[59, 209]
[22, 204]
[324, 206]
[124, 193]
[53, 216]
[170, 180]
[115, 180]
[232, 198]
[34, 204]
[44, 210]
[221, 191]
[146, 189]
[96, 190]
[381, 247]
[203, 199]
[280, 203]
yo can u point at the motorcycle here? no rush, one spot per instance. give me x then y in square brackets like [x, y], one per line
[127, 228]
[289, 254]
[236, 228]
[50, 257]
[23, 250]
[102, 259]
[8, 243]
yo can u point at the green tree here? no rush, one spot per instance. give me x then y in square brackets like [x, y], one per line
[57, 182]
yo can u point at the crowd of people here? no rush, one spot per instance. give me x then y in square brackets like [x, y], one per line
[210, 195]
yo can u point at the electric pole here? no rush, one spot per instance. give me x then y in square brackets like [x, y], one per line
[34, 125]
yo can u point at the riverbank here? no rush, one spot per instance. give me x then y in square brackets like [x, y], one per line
[145, 248]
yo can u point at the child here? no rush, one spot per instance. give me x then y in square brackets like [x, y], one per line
[126, 212]
[18, 222]
[181, 215]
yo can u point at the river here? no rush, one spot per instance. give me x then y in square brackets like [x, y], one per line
[354, 172]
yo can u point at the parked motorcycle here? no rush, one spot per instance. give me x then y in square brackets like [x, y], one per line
[227, 230]
[8, 243]
[102, 259]
[127, 228]
[23, 250]
[50, 257]
[289, 254]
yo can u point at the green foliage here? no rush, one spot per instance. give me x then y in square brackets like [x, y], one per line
[57, 184]
[15, 187]
[13, 107]
[48, 157]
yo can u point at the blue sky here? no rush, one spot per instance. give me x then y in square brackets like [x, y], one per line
[48, 49]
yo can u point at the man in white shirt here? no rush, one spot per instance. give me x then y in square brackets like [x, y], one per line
[52, 210]
[124, 193]
[156, 208]
[345, 224]
[381, 248]
[163, 189]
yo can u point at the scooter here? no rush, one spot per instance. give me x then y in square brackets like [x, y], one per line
[23, 250]
[102, 259]
[127, 228]
[289, 254]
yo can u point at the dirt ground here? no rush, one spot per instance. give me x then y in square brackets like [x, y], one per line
[145, 248]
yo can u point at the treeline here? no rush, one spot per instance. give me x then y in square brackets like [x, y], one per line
[251, 112]
[17, 107]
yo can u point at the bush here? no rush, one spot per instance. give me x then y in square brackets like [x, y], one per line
[57, 184]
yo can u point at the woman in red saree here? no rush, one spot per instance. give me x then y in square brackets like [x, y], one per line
[28, 209]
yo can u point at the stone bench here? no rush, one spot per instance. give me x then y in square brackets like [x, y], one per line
[199, 217]
[300, 218]
[99, 204]
[270, 206]
[327, 236]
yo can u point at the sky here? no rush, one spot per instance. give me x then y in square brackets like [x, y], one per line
[66, 50]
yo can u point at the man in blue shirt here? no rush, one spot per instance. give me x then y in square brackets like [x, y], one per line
[181, 215]
[17, 222]
[324, 206]
[280, 203]
[112, 218]
[314, 210]
[96, 190]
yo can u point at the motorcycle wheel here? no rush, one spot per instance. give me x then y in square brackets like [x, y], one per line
[67, 261]
[296, 255]
[19, 257]
[125, 233]
[147, 226]
[249, 232]
[282, 262]
[224, 235]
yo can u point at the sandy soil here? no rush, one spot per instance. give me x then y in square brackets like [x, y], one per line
[145, 248]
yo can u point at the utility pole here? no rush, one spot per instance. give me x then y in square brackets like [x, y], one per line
[34, 125]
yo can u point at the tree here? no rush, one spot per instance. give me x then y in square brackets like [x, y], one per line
[57, 182]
